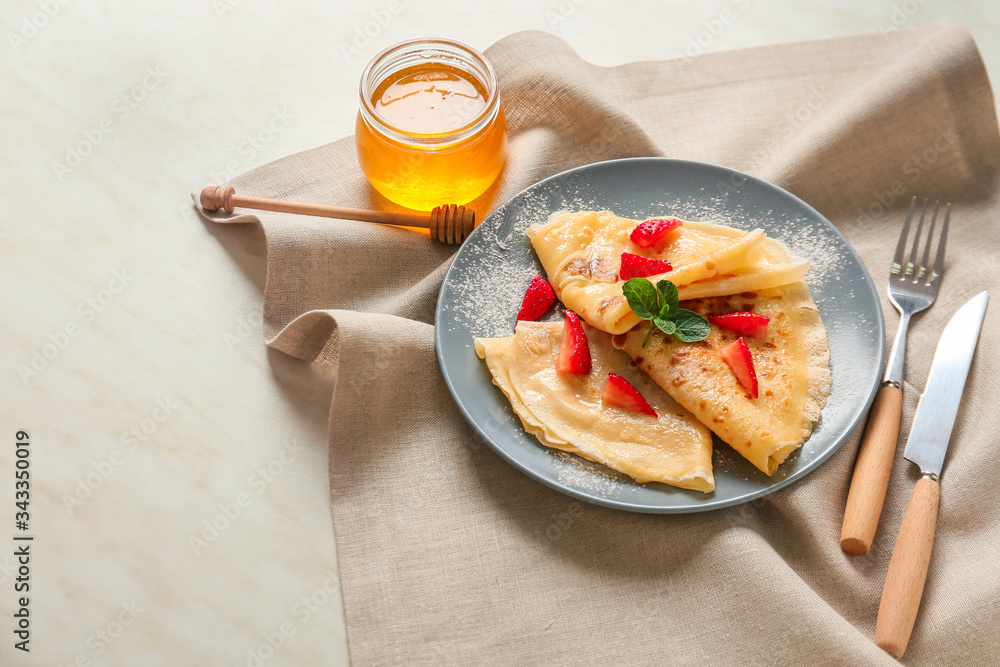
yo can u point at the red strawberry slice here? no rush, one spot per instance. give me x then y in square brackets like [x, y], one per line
[619, 393]
[737, 357]
[743, 323]
[538, 299]
[574, 353]
[653, 232]
[637, 266]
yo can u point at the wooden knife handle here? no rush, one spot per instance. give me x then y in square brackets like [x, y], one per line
[871, 473]
[904, 583]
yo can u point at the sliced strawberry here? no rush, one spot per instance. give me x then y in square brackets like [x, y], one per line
[637, 266]
[538, 299]
[619, 393]
[653, 232]
[737, 357]
[743, 323]
[574, 353]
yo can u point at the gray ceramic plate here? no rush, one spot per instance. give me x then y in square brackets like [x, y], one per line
[482, 291]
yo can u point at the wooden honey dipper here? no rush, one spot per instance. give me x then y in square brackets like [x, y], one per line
[447, 224]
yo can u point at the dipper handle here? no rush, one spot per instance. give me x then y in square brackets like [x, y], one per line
[447, 224]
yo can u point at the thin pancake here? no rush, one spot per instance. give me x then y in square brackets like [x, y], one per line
[565, 412]
[771, 265]
[581, 253]
[792, 366]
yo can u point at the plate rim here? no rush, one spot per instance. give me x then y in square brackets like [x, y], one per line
[713, 504]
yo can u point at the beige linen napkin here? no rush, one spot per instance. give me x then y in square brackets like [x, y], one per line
[448, 555]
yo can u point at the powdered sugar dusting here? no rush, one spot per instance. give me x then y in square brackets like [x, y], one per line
[498, 263]
[812, 241]
[493, 269]
[593, 478]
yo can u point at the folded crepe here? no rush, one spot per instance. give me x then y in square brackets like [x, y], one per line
[565, 411]
[792, 365]
[581, 253]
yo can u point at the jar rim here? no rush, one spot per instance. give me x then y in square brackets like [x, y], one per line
[469, 60]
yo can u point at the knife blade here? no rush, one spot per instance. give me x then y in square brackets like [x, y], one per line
[926, 447]
[939, 403]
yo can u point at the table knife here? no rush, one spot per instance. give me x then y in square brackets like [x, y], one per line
[926, 447]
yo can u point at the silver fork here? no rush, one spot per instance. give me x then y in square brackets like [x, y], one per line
[912, 288]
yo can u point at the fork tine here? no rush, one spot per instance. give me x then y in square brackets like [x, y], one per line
[924, 266]
[916, 241]
[897, 259]
[942, 244]
[908, 296]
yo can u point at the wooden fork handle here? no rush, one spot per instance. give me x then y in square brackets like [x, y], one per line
[904, 583]
[871, 473]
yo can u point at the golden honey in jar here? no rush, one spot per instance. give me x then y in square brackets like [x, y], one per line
[430, 130]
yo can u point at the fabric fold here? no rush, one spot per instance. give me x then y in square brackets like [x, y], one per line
[449, 555]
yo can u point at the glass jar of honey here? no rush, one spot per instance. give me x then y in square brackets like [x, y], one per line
[430, 130]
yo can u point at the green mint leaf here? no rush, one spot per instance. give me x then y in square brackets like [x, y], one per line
[690, 326]
[641, 297]
[661, 304]
[667, 292]
[666, 326]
